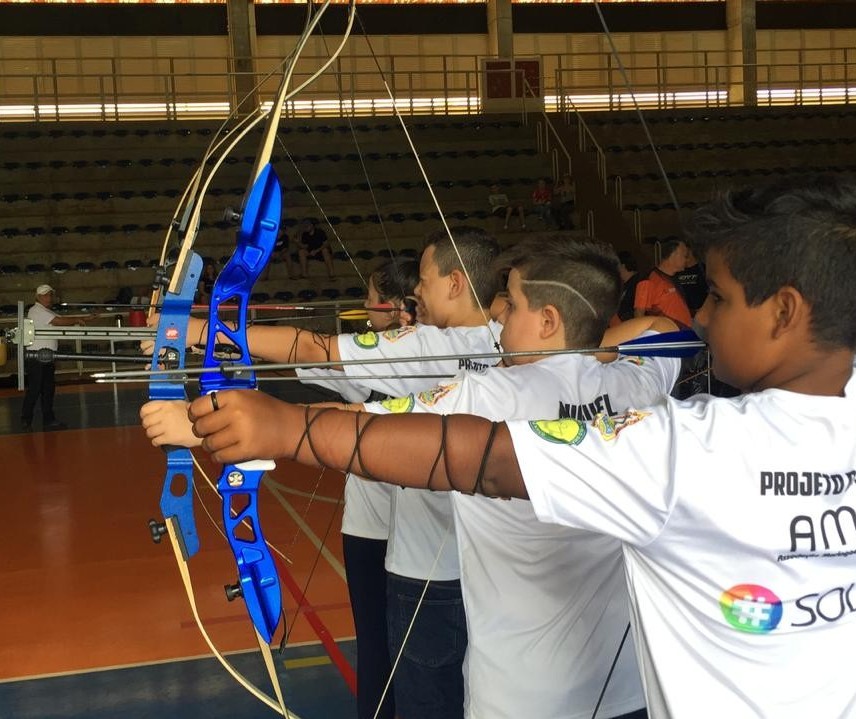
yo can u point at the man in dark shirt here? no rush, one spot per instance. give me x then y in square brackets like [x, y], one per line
[628, 269]
[692, 284]
[313, 243]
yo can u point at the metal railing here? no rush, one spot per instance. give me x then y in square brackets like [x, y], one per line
[199, 87]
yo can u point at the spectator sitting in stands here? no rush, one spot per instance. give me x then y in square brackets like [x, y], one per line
[206, 283]
[563, 202]
[281, 253]
[502, 207]
[542, 202]
[313, 243]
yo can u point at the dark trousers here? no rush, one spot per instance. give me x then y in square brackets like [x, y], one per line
[39, 385]
[638, 714]
[364, 560]
[429, 680]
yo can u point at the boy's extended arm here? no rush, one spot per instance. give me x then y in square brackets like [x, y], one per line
[282, 343]
[631, 329]
[460, 452]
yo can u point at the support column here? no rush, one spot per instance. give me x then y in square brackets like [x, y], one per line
[241, 17]
[742, 52]
[500, 34]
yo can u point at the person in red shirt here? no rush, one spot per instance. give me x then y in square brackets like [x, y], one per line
[542, 202]
[658, 294]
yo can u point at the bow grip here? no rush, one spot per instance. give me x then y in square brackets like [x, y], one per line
[177, 495]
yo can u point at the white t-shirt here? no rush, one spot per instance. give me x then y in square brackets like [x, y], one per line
[42, 318]
[739, 530]
[367, 503]
[421, 525]
[546, 605]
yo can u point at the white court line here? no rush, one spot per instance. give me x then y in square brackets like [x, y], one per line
[300, 493]
[316, 541]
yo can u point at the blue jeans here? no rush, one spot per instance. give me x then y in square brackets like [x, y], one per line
[429, 681]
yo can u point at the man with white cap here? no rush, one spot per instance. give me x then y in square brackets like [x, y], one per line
[40, 375]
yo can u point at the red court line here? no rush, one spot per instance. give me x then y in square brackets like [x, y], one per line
[321, 631]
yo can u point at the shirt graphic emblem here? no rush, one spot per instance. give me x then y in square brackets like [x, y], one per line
[398, 405]
[367, 340]
[430, 397]
[398, 333]
[751, 608]
[559, 431]
[609, 427]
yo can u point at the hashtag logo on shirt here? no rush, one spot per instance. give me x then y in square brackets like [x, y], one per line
[751, 608]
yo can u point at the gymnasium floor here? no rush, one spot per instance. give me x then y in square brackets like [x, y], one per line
[95, 623]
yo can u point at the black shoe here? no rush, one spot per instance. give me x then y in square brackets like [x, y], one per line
[26, 425]
[55, 424]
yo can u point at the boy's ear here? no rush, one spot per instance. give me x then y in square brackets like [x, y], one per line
[457, 283]
[405, 316]
[551, 321]
[791, 311]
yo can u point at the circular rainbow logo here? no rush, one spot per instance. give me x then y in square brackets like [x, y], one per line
[751, 608]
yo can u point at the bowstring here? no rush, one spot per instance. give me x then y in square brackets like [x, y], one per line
[191, 201]
[365, 171]
[485, 317]
[670, 189]
[428, 185]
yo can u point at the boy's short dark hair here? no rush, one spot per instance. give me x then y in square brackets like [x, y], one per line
[478, 249]
[585, 285]
[396, 278]
[798, 233]
[668, 247]
[628, 260]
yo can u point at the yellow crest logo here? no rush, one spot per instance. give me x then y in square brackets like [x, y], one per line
[559, 431]
[609, 427]
[367, 340]
[430, 397]
[398, 405]
[398, 333]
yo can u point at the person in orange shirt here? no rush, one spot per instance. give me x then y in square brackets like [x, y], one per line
[658, 294]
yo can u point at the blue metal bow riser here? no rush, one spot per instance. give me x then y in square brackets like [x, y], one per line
[177, 496]
[258, 582]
